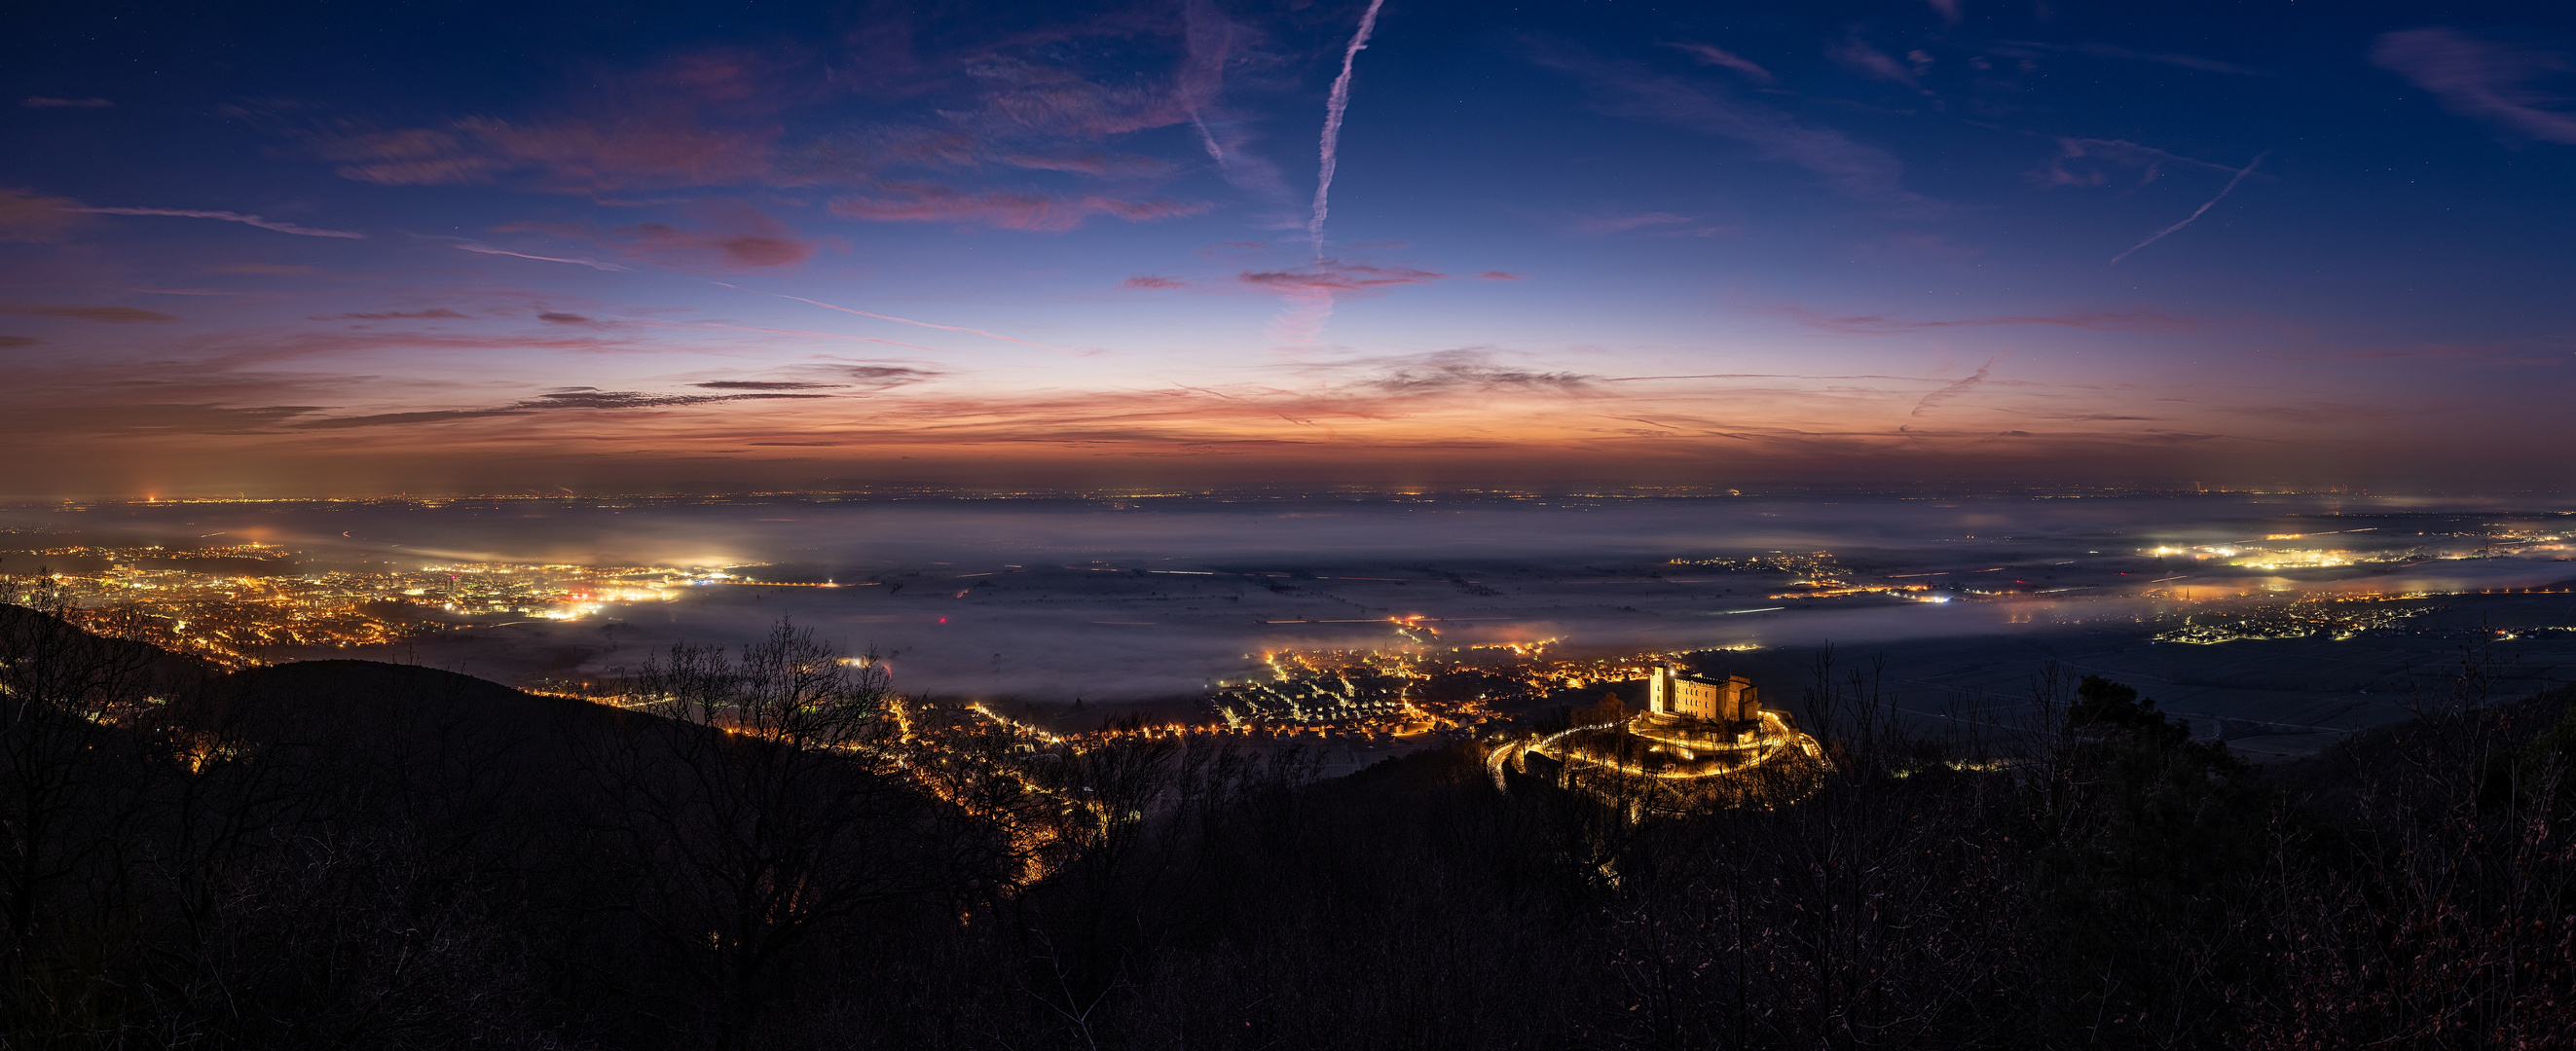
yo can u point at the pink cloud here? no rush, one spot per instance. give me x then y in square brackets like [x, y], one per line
[2476, 78]
[1498, 275]
[34, 218]
[569, 154]
[1647, 224]
[1332, 276]
[111, 315]
[1851, 168]
[1004, 209]
[1152, 282]
[230, 217]
[1311, 290]
[667, 148]
[706, 119]
[726, 235]
[1717, 56]
[2149, 161]
[1858, 56]
[2142, 320]
[1096, 165]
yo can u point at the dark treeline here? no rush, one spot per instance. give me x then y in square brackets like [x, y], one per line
[354, 855]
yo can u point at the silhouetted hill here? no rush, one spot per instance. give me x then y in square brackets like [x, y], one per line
[372, 706]
[349, 854]
[168, 674]
[2337, 778]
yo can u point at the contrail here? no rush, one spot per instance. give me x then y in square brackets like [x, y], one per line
[909, 321]
[230, 217]
[2196, 213]
[1215, 152]
[591, 263]
[1333, 109]
[1955, 389]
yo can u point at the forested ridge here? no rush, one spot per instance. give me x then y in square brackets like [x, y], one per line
[348, 854]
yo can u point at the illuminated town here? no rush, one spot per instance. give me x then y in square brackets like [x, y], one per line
[1411, 690]
[256, 604]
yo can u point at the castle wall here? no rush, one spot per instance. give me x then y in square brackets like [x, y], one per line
[1732, 699]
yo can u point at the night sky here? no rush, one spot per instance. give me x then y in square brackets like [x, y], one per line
[303, 249]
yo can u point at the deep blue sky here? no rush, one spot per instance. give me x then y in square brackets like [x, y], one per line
[511, 245]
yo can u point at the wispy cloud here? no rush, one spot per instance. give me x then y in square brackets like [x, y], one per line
[1150, 281]
[2024, 48]
[1450, 371]
[2154, 321]
[721, 235]
[111, 315]
[262, 269]
[2493, 82]
[431, 314]
[1713, 55]
[1214, 43]
[1648, 224]
[1858, 56]
[578, 399]
[2066, 167]
[1004, 209]
[1955, 390]
[700, 119]
[2196, 213]
[1855, 170]
[42, 102]
[1310, 292]
[230, 217]
[1335, 276]
[28, 217]
[148, 418]
[879, 377]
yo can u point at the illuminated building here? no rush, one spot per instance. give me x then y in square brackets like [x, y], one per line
[1732, 701]
[1701, 742]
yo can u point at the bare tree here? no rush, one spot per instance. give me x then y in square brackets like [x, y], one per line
[753, 795]
[68, 699]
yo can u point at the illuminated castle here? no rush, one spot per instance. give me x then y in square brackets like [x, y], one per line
[1701, 741]
[1677, 697]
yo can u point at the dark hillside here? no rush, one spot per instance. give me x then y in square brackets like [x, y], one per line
[356, 855]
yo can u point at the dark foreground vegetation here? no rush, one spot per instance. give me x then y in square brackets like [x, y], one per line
[357, 855]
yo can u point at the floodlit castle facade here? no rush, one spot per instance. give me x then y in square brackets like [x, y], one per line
[1679, 694]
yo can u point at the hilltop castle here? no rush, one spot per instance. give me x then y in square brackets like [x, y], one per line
[1672, 691]
[1698, 743]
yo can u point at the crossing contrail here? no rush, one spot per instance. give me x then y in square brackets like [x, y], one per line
[230, 217]
[1333, 109]
[2186, 220]
[909, 321]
